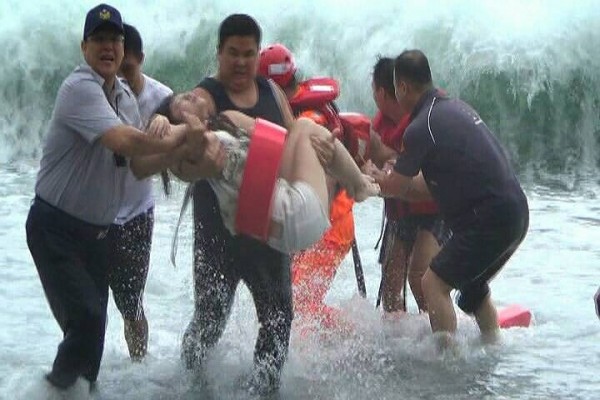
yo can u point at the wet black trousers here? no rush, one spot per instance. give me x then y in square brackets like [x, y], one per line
[71, 259]
[221, 261]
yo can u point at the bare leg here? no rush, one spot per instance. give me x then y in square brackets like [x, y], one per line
[300, 162]
[343, 167]
[425, 248]
[394, 268]
[241, 120]
[441, 311]
[487, 320]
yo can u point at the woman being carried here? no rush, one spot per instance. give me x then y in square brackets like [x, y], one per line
[301, 197]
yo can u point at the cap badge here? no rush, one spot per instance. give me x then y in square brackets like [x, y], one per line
[104, 14]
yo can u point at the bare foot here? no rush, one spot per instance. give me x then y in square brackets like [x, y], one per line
[491, 337]
[445, 343]
[393, 315]
[368, 189]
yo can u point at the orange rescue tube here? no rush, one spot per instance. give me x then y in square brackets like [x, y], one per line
[258, 182]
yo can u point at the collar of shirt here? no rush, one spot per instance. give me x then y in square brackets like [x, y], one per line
[118, 89]
[428, 95]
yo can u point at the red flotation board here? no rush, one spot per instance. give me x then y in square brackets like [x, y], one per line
[258, 181]
[514, 316]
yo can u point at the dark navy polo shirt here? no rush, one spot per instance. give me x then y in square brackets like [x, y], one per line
[463, 163]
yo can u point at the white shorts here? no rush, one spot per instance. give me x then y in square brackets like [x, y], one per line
[298, 209]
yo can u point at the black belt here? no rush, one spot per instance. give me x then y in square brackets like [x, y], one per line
[67, 220]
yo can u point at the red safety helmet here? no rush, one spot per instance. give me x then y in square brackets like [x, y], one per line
[277, 62]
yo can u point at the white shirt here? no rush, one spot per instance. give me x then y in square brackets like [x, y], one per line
[137, 196]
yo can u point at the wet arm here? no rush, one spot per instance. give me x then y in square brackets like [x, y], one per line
[189, 170]
[241, 120]
[130, 142]
[148, 165]
[404, 187]
[203, 155]
[378, 151]
[210, 103]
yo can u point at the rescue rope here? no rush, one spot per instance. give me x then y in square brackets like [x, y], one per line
[358, 271]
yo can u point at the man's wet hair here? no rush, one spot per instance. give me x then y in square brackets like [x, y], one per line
[133, 40]
[239, 25]
[413, 66]
[383, 75]
[164, 108]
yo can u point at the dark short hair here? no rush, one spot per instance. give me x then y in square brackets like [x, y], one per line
[239, 25]
[383, 75]
[133, 40]
[413, 66]
[164, 108]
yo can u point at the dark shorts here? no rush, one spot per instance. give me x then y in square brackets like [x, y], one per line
[479, 247]
[128, 263]
[406, 229]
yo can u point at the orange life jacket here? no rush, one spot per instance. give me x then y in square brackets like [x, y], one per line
[342, 220]
[314, 99]
[357, 135]
[313, 93]
[391, 135]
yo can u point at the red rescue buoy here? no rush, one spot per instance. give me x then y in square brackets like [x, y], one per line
[258, 182]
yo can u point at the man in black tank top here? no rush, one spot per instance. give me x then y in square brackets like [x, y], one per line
[448, 153]
[222, 260]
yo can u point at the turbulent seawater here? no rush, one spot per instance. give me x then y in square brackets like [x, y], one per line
[554, 274]
[530, 68]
